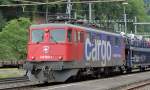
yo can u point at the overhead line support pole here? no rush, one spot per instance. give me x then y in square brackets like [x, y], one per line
[90, 12]
[47, 11]
[68, 11]
[125, 19]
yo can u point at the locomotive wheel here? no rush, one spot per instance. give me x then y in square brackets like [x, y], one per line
[142, 69]
[129, 70]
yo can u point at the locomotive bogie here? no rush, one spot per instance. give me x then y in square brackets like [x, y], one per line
[62, 71]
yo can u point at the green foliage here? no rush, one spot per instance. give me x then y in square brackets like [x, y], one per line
[6, 1]
[2, 21]
[108, 10]
[13, 39]
[136, 8]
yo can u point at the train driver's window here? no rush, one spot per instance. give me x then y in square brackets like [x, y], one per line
[88, 35]
[37, 36]
[58, 35]
[81, 37]
[69, 35]
[75, 36]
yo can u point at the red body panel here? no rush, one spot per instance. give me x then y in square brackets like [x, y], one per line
[52, 51]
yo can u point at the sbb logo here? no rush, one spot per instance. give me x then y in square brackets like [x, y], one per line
[99, 50]
[46, 49]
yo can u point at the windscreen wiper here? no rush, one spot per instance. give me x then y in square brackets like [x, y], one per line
[53, 40]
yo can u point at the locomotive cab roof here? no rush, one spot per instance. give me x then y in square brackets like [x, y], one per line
[72, 25]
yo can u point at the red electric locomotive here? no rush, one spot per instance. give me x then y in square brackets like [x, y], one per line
[58, 51]
[55, 42]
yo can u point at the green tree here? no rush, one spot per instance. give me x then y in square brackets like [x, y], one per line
[2, 21]
[13, 39]
[136, 8]
[6, 1]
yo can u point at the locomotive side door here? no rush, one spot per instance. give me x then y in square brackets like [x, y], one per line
[80, 45]
[75, 44]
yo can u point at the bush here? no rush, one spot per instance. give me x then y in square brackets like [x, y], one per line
[13, 39]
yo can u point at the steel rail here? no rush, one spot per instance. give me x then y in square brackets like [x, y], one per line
[139, 86]
[16, 83]
[13, 80]
[30, 84]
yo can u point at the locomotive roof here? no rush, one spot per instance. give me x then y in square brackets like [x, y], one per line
[71, 25]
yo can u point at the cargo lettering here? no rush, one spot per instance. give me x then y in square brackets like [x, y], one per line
[99, 50]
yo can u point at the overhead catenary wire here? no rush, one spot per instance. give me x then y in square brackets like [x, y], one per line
[25, 1]
[59, 2]
[31, 3]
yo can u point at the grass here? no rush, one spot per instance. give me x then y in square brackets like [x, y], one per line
[11, 72]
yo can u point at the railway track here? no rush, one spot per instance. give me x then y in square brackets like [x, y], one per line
[14, 83]
[13, 80]
[139, 81]
[144, 85]
[22, 83]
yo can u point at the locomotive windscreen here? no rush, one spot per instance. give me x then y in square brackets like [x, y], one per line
[57, 35]
[37, 35]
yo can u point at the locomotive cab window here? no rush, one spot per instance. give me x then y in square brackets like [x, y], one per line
[37, 36]
[80, 37]
[75, 36]
[69, 35]
[57, 35]
[88, 35]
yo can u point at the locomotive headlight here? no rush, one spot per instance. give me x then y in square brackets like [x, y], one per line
[32, 58]
[60, 57]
